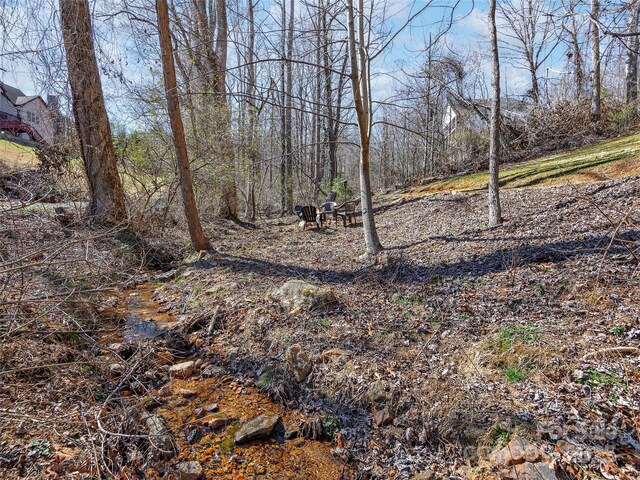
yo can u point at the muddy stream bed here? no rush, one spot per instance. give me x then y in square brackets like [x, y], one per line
[204, 412]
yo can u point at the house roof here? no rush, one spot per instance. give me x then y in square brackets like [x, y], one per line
[22, 100]
[12, 93]
[17, 96]
[509, 104]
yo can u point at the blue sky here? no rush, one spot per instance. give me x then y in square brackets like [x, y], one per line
[469, 34]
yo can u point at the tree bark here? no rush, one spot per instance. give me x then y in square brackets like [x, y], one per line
[107, 203]
[595, 60]
[228, 204]
[631, 67]
[360, 83]
[289, 110]
[198, 238]
[577, 60]
[495, 214]
[254, 165]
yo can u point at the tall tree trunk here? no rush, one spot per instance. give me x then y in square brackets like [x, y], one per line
[631, 67]
[283, 114]
[198, 239]
[228, 204]
[107, 204]
[360, 83]
[495, 215]
[595, 61]
[289, 110]
[577, 59]
[254, 165]
[535, 86]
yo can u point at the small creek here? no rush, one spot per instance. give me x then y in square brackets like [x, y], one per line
[211, 443]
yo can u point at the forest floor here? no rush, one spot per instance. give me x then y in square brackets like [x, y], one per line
[466, 335]
[460, 339]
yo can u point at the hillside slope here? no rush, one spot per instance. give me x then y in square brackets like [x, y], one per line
[16, 157]
[609, 160]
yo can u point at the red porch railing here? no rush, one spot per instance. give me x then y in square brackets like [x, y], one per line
[16, 126]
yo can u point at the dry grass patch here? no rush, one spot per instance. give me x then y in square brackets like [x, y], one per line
[16, 157]
[605, 161]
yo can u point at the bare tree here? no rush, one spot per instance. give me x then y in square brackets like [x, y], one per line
[495, 216]
[198, 238]
[573, 30]
[631, 64]
[201, 31]
[253, 170]
[92, 123]
[531, 35]
[595, 61]
[361, 86]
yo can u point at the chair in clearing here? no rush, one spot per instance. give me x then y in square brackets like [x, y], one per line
[308, 214]
[346, 211]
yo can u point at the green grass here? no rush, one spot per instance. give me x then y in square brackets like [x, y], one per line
[597, 379]
[514, 374]
[14, 156]
[608, 160]
[508, 336]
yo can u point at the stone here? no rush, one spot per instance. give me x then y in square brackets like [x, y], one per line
[528, 471]
[190, 470]
[383, 417]
[213, 371]
[187, 393]
[216, 420]
[182, 370]
[518, 451]
[116, 369]
[298, 361]
[376, 393]
[259, 427]
[193, 435]
[303, 295]
[212, 407]
[160, 435]
[164, 391]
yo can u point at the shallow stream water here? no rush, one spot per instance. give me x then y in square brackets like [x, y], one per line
[188, 418]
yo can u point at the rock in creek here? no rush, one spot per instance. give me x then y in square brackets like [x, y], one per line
[190, 470]
[160, 436]
[259, 427]
[182, 370]
[216, 420]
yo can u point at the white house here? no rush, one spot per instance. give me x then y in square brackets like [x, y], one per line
[25, 116]
[474, 114]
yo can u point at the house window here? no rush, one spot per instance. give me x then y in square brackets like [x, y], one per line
[33, 118]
